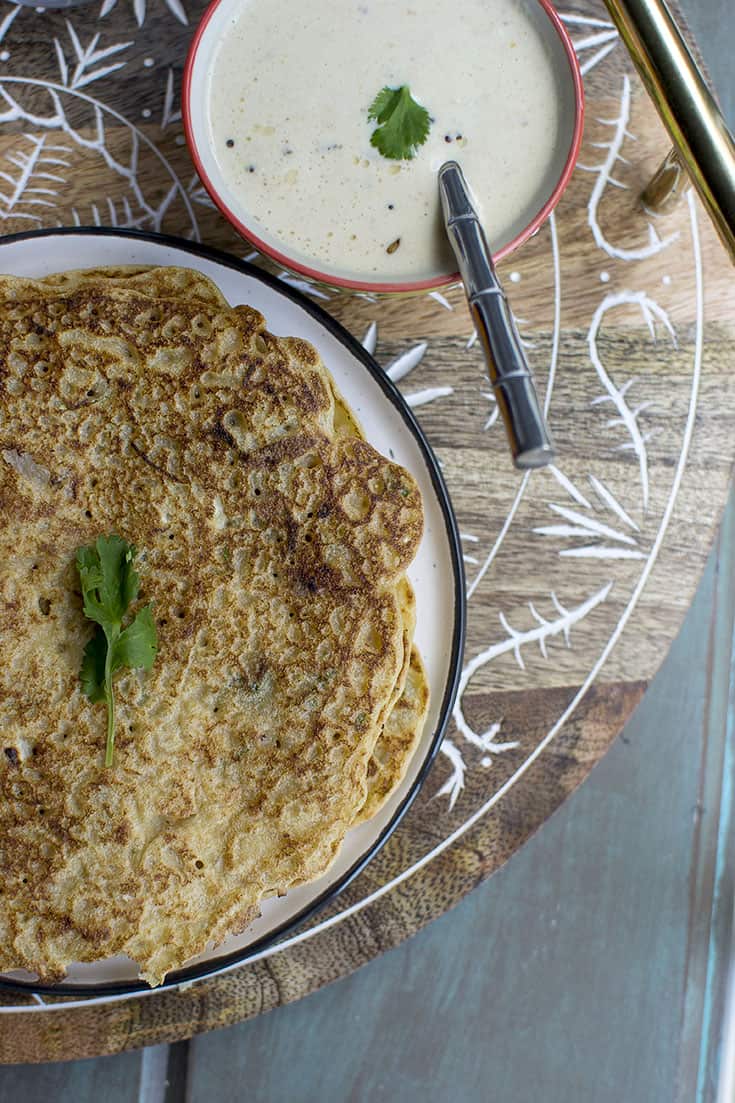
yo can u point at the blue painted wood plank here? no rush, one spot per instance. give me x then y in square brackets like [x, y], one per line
[104, 1080]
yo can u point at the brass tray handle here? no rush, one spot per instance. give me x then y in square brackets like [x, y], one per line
[703, 145]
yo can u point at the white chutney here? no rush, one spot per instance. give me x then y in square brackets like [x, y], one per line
[288, 93]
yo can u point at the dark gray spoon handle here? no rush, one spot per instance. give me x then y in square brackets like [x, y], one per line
[530, 441]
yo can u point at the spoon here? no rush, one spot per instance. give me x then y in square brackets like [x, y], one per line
[510, 376]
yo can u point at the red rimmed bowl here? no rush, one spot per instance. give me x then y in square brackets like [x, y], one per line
[201, 68]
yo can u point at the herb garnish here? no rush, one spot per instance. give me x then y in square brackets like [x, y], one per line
[109, 585]
[403, 124]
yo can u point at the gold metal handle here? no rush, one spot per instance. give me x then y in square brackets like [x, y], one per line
[677, 87]
[664, 189]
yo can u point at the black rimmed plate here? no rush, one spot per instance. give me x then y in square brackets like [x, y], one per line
[436, 574]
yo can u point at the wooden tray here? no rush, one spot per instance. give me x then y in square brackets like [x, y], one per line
[578, 576]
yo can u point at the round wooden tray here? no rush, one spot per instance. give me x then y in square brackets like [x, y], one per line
[578, 575]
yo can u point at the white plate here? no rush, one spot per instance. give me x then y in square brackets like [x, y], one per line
[436, 573]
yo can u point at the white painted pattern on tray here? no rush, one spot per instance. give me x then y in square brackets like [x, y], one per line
[598, 40]
[612, 160]
[140, 9]
[151, 210]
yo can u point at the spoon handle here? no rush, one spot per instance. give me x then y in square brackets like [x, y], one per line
[510, 375]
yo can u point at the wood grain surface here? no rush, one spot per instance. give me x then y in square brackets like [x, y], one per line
[580, 578]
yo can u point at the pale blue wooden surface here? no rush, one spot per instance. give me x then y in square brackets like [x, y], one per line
[580, 973]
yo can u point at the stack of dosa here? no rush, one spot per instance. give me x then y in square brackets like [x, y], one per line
[287, 696]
